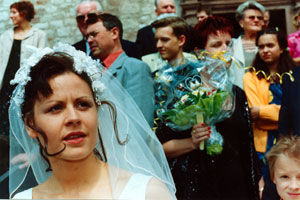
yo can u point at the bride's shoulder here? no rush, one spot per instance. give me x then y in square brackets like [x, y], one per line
[144, 186]
[157, 190]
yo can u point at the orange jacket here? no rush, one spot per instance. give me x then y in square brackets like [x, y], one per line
[258, 94]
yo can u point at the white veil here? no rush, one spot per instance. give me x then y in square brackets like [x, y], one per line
[141, 152]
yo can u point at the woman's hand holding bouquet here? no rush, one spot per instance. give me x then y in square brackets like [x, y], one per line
[200, 133]
[196, 95]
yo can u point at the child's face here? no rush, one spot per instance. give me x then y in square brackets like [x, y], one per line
[287, 177]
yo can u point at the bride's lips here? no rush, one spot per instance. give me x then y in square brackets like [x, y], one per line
[294, 195]
[74, 137]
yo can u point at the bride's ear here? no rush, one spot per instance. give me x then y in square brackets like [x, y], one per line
[28, 126]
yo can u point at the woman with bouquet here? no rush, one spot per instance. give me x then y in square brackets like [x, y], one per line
[233, 173]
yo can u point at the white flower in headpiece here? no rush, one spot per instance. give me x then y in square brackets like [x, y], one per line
[98, 86]
[82, 63]
[22, 75]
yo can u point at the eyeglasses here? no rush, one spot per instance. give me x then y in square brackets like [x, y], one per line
[252, 17]
[92, 35]
[90, 17]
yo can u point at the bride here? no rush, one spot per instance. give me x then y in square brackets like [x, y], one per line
[83, 135]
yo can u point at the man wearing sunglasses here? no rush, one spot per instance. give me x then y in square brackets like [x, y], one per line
[89, 10]
[104, 37]
[84, 11]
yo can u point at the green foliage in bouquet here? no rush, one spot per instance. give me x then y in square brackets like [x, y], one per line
[208, 103]
[214, 149]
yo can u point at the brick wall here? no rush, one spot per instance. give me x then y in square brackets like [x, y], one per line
[57, 17]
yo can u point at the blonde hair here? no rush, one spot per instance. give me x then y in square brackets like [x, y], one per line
[287, 145]
[295, 19]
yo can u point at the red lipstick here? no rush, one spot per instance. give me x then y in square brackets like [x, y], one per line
[74, 137]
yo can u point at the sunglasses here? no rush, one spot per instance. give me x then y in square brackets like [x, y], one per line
[260, 18]
[91, 17]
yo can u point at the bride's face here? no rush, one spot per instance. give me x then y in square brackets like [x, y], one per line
[67, 117]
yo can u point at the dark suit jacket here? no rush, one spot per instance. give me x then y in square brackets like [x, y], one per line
[145, 41]
[80, 45]
[289, 117]
[130, 49]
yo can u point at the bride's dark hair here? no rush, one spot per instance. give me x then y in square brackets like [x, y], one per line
[49, 66]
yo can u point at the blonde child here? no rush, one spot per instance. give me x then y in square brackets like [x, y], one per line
[284, 164]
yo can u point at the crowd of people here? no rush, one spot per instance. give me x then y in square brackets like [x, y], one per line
[181, 113]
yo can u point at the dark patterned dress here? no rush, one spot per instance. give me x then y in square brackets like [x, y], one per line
[234, 174]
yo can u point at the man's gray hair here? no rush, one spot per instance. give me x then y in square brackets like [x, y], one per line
[99, 7]
[248, 5]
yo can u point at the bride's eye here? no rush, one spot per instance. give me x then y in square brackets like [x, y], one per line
[54, 109]
[84, 104]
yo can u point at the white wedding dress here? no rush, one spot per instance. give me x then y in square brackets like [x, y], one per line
[134, 189]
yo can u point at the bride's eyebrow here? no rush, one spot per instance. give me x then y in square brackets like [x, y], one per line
[50, 102]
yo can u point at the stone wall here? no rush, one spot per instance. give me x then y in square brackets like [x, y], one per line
[57, 17]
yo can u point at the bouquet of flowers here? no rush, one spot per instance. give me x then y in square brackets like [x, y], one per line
[197, 92]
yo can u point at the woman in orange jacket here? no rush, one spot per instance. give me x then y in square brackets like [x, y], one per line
[263, 89]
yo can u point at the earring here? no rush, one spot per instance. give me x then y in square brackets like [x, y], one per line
[98, 102]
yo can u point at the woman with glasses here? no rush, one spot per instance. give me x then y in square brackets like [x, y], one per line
[249, 15]
[13, 50]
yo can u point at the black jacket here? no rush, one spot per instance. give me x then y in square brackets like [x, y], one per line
[289, 116]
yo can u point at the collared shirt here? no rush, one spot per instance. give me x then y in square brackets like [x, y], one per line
[110, 59]
[87, 46]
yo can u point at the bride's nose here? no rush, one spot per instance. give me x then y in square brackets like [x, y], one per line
[72, 115]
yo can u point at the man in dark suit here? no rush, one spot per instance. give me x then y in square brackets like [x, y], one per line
[104, 37]
[83, 12]
[145, 37]
[131, 49]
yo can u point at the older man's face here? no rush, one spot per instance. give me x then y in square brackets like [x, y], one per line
[165, 6]
[83, 10]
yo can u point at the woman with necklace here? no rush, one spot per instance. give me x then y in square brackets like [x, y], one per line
[264, 92]
[264, 96]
